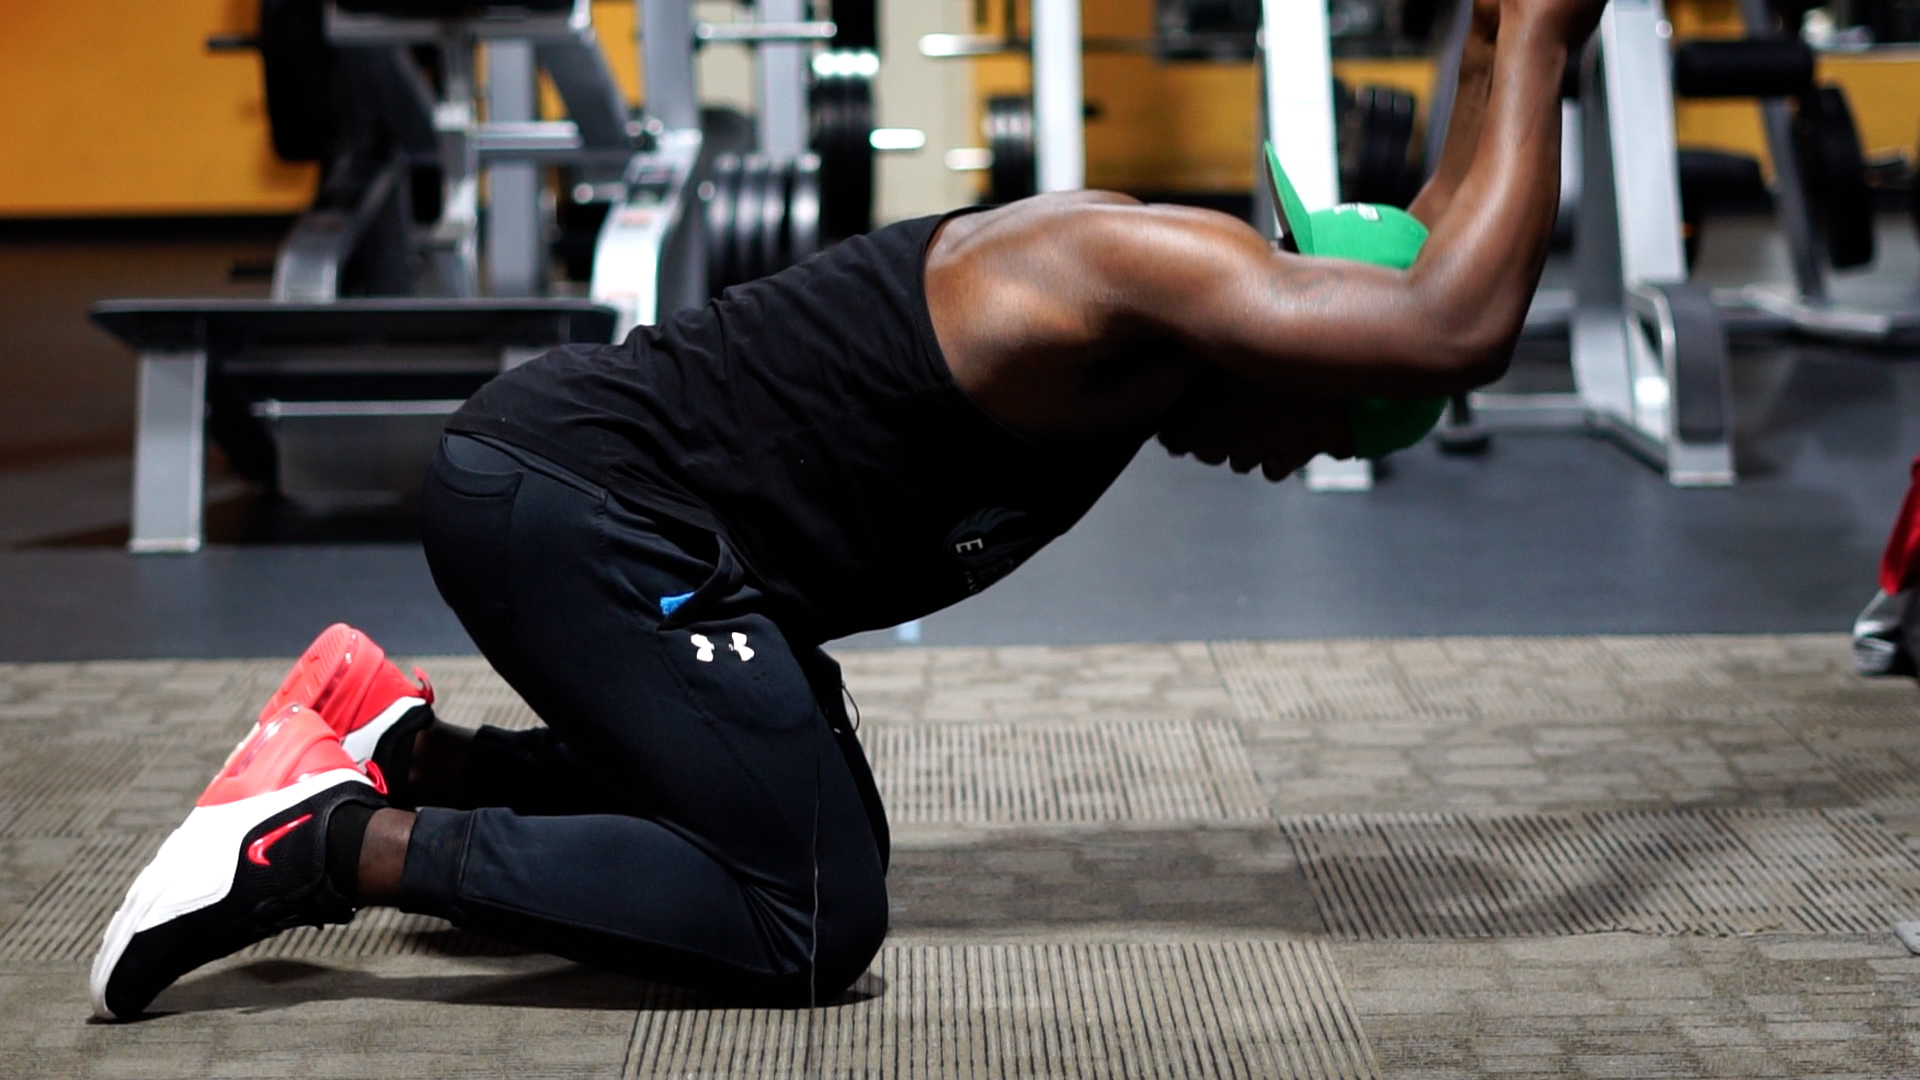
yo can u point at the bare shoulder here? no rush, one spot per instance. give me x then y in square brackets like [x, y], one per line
[1037, 302]
[1091, 227]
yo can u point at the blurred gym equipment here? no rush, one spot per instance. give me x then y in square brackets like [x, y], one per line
[1649, 349]
[398, 292]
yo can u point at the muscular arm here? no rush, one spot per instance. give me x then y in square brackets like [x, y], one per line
[1092, 311]
[1340, 328]
[1469, 111]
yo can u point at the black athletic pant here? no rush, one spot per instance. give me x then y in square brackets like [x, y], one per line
[696, 809]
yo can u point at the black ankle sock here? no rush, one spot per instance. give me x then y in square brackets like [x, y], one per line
[393, 755]
[346, 831]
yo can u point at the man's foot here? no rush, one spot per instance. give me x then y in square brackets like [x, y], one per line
[1881, 645]
[347, 679]
[249, 862]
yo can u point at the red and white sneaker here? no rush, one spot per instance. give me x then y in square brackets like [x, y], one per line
[249, 862]
[347, 679]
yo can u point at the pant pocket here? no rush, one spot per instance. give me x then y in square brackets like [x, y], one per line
[466, 527]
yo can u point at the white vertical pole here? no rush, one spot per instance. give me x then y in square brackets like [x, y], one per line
[1058, 117]
[1299, 85]
[1298, 80]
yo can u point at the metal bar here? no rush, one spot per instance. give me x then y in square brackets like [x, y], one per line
[542, 141]
[169, 457]
[516, 256]
[455, 241]
[781, 23]
[1789, 189]
[274, 409]
[782, 75]
[1059, 119]
[350, 28]
[586, 84]
[1790, 201]
[1553, 412]
[666, 61]
[1600, 368]
[1298, 65]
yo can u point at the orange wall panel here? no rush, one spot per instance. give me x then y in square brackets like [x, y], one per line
[118, 109]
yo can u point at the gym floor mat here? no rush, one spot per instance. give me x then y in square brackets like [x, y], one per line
[1673, 856]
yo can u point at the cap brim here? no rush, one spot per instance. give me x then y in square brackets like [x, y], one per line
[1295, 228]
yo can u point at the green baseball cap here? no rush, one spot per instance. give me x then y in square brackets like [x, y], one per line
[1364, 232]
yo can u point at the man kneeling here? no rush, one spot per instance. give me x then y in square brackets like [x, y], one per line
[650, 541]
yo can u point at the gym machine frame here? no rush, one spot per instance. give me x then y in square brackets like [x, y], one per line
[1649, 349]
[650, 255]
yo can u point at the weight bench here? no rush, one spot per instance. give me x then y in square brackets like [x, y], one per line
[242, 367]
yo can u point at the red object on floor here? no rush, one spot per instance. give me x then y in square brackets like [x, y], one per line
[1897, 564]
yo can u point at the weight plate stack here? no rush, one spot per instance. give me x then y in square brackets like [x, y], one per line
[720, 192]
[803, 210]
[1834, 170]
[1375, 135]
[296, 67]
[755, 171]
[840, 112]
[1007, 126]
[774, 202]
[763, 215]
[856, 24]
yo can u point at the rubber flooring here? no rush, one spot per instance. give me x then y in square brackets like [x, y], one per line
[1636, 856]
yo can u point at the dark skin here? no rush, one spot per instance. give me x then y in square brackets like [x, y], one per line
[1082, 314]
[1079, 315]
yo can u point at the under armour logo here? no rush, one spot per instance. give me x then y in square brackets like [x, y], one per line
[703, 647]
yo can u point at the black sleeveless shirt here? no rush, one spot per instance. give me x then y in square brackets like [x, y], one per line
[810, 419]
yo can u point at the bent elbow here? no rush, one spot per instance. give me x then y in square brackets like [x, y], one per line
[1472, 352]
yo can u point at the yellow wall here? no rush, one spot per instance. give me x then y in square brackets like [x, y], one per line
[117, 108]
[1191, 126]
[111, 107]
[1883, 90]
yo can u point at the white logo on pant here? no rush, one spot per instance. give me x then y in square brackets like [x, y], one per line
[703, 648]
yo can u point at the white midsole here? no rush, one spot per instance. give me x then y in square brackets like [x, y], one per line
[194, 868]
[362, 741]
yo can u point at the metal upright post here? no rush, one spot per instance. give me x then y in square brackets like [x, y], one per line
[650, 259]
[1632, 139]
[1297, 83]
[666, 62]
[782, 74]
[457, 234]
[169, 457]
[1059, 119]
[515, 255]
[1649, 354]
[1789, 192]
